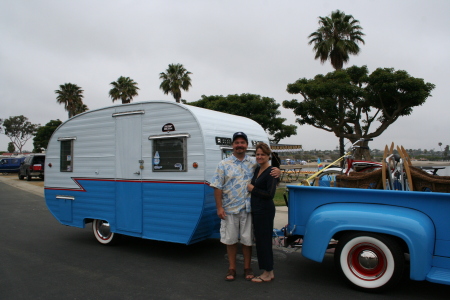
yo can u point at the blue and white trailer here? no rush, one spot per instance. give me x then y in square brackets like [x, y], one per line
[141, 169]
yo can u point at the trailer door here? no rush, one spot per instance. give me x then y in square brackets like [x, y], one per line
[128, 172]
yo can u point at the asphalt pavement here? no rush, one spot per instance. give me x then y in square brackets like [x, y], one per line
[42, 259]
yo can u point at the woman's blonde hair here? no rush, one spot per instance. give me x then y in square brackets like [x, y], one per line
[264, 148]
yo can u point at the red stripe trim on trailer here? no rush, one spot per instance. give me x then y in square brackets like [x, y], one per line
[81, 188]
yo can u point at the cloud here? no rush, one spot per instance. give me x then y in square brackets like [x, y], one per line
[231, 47]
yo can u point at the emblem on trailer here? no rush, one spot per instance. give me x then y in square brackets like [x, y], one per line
[168, 127]
[223, 141]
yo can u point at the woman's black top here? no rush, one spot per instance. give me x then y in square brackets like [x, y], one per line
[263, 191]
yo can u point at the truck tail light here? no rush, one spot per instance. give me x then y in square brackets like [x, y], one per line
[37, 168]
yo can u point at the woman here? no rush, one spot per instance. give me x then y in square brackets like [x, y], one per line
[262, 188]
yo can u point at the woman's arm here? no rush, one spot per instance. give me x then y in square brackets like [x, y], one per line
[268, 191]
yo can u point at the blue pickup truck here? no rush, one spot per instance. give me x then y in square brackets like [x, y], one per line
[375, 232]
[10, 164]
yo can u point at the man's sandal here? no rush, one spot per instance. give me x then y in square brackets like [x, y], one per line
[249, 272]
[231, 275]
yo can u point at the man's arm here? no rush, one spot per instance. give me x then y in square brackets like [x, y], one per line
[275, 172]
[218, 196]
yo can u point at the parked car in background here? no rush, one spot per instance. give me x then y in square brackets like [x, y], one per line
[10, 164]
[32, 166]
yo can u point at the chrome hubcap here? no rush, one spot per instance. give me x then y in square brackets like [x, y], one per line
[103, 229]
[368, 259]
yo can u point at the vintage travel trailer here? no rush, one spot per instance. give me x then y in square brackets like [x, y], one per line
[141, 170]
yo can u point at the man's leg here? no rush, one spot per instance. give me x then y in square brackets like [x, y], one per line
[247, 251]
[231, 251]
[247, 241]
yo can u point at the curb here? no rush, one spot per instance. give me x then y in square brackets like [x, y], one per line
[22, 184]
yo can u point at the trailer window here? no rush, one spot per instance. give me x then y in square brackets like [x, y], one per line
[66, 163]
[169, 155]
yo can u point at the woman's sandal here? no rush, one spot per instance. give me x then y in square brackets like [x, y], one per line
[259, 279]
[231, 273]
[248, 272]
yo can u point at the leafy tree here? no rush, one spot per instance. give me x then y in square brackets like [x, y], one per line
[336, 38]
[370, 101]
[43, 135]
[262, 110]
[174, 80]
[71, 96]
[19, 130]
[11, 147]
[123, 89]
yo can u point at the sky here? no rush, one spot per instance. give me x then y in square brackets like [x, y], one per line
[231, 47]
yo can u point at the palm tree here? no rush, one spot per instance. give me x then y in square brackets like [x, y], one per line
[124, 89]
[71, 96]
[336, 38]
[80, 108]
[175, 79]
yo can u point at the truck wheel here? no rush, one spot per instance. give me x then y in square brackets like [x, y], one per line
[28, 177]
[103, 233]
[369, 261]
[20, 176]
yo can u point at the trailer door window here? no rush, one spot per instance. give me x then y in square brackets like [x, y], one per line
[66, 156]
[169, 154]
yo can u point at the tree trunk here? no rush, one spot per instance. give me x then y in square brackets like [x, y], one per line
[363, 153]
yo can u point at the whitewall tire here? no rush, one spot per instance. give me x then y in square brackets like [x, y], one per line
[103, 234]
[370, 261]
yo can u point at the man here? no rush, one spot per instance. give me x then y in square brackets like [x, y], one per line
[233, 203]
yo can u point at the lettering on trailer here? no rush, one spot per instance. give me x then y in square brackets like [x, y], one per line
[168, 127]
[223, 141]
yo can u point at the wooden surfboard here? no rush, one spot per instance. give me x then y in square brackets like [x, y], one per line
[408, 159]
[383, 167]
[407, 170]
[391, 150]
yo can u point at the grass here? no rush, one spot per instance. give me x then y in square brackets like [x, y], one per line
[279, 199]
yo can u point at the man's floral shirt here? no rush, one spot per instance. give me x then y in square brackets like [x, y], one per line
[232, 177]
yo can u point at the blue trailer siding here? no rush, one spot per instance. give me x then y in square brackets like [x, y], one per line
[172, 210]
[180, 212]
[129, 206]
[94, 199]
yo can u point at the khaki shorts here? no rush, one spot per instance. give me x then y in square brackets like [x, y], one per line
[237, 228]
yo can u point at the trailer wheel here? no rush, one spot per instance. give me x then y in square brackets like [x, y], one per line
[103, 234]
[369, 261]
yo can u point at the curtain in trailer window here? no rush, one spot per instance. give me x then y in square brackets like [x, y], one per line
[66, 162]
[169, 155]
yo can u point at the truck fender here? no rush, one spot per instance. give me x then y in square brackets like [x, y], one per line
[412, 226]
